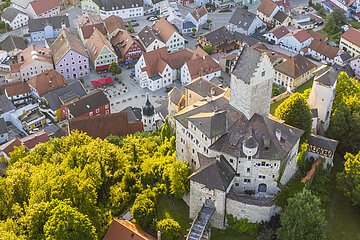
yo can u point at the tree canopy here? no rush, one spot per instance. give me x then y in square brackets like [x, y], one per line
[296, 112]
[169, 228]
[208, 49]
[345, 117]
[86, 181]
[302, 218]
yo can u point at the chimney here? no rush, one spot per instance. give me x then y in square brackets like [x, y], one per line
[212, 91]
[278, 134]
[158, 235]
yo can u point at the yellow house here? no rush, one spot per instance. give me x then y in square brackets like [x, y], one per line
[90, 6]
[350, 42]
[294, 72]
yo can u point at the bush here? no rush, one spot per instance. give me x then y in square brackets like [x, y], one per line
[169, 228]
[291, 188]
[242, 225]
[320, 185]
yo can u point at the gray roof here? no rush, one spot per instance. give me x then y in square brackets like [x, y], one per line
[218, 35]
[175, 95]
[3, 127]
[10, 13]
[212, 124]
[187, 25]
[148, 35]
[65, 94]
[247, 64]
[88, 103]
[37, 25]
[5, 105]
[204, 88]
[214, 173]
[328, 78]
[133, 113]
[54, 131]
[21, 3]
[242, 18]
[280, 16]
[163, 108]
[246, 39]
[322, 142]
[111, 5]
[345, 56]
[12, 42]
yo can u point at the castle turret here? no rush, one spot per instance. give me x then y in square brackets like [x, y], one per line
[251, 83]
[148, 115]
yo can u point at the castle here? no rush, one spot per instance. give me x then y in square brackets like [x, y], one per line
[241, 156]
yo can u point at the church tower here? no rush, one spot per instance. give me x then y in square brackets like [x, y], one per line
[148, 115]
[251, 83]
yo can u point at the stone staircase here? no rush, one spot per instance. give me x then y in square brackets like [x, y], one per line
[200, 223]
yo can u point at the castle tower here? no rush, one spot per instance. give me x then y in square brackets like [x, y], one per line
[148, 115]
[251, 83]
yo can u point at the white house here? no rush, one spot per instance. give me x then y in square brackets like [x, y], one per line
[14, 17]
[322, 51]
[276, 34]
[18, 94]
[120, 8]
[43, 8]
[245, 22]
[198, 16]
[355, 66]
[200, 3]
[296, 40]
[267, 10]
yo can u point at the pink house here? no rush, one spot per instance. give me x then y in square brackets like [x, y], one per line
[43, 8]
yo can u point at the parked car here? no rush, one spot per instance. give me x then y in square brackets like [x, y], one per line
[206, 27]
[132, 20]
[135, 24]
[152, 18]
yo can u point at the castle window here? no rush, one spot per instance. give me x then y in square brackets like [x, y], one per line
[237, 174]
[263, 73]
[248, 170]
[246, 180]
[193, 151]
[231, 160]
[236, 184]
[262, 163]
[273, 176]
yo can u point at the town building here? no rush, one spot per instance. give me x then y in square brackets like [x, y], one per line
[185, 2]
[267, 10]
[350, 42]
[14, 17]
[102, 126]
[45, 82]
[20, 4]
[275, 35]
[113, 25]
[101, 52]
[28, 118]
[127, 48]
[43, 9]
[7, 107]
[126, 230]
[30, 62]
[86, 25]
[197, 16]
[18, 94]
[152, 6]
[350, 7]
[53, 103]
[294, 72]
[321, 147]
[89, 6]
[355, 66]
[281, 19]
[296, 40]
[47, 28]
[205, 67]
[93, 104]
[321, 51]
[70, 57]
[4, 135]
[120, 8]
[245, 22]
[13, 45]
[301, 21]
[231, 138]
[148, 116]
[162, 33]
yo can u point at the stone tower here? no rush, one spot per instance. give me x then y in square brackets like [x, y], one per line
[148, 115]
[251, 83]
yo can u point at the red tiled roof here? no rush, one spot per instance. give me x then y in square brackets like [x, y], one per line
[42, 6]
[32, 140]
[301, 35]
[295, 66]
[318, 36]
[125, 230]
[267, 7]
[18, 89]
[279, 32]
[9, 146]
[324, 49]
[352, 35]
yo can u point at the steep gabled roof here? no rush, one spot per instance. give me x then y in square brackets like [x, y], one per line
[164, 29]
[148, 35]
[38, 24]
[88, 103]
[198, 13]
[214, 173]
[42, 6]
[267, 7]
[301, 35]
[323, 142]
[202, 66]
[113, 23]
[47, 81]
[247, 64]
[111, 5]
[96, 43]
[212, 124]
[352, 35]
[11, 13]
[204, 88]
[242, 18]
[126, 230]
[279, 32]
[324, 49]
[12, 42]
[295, 66]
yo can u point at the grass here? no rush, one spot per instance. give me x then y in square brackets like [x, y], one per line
[343, 219]
[300, 89]
[229, 234]
[177, 210]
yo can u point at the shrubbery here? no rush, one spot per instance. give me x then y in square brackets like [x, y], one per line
[242, 225]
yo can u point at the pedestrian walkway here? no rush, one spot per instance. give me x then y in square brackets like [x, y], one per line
[198, 227]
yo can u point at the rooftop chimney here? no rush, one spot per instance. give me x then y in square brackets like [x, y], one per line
[278, 134]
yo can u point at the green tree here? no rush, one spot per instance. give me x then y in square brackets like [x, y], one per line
[242, 225]
[209, 22]
[208, 49]
[345, 117]
[348, 181]
[194, 31]
[310, 3]
[115, 69]
[296, 112]
[169, 228]
[179, 183]
[166, 130]
[68, 223]
[303, 218]
[143, 210]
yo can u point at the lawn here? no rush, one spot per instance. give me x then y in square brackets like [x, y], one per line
[177, 210]
[343, 219]
[229, 234]
[300, 89]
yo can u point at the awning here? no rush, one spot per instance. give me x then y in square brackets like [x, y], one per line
[101, 81]
[102, 68]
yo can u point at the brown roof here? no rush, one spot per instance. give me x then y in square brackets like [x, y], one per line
[17, 89]
[32, 140]
[164, 28]
[3, 86]
[318, 36]
[47, 81]
[126, 230]
[88, 30]
[28, 54]
[88, 19]
[202, 66]
[324, 49]
[96, 43]
[105, 125]
[198, 13]
[64, 43]
[42, 6]
[9, 146]
[280, 16]
[123, 41]
[88, 103]
[280, 31]
[267, 7]
[301, 35]
[352, 35]
[113, 23]
[295, 66]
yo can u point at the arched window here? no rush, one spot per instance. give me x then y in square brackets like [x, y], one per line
[262, 187]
